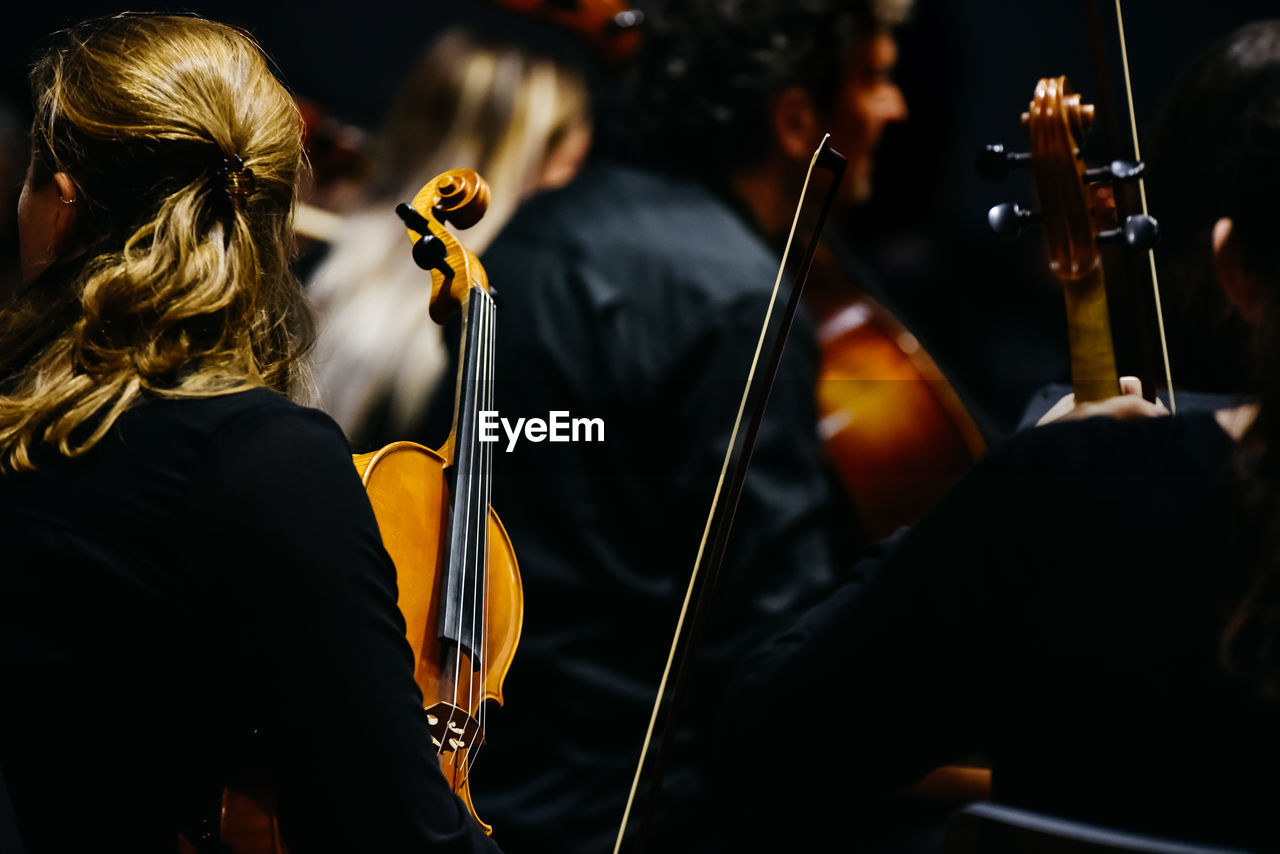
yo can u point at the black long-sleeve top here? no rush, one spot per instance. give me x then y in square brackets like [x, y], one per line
[212, 567]
[1062, 611]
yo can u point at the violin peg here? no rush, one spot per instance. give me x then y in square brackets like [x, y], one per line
[1139, 232]
[1117, 170]
[1008, 219]
[994, 163]
[429, 253]
[412, 219]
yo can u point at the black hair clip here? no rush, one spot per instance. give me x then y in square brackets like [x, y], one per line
[237, 180]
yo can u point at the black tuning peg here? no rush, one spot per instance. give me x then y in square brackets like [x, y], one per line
[1117, 170]
[413, 219]
[1139, 232]
[429, 252]
[1008, 220]
[994, 162]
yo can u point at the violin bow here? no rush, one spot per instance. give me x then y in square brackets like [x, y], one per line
[733, 471]
[1109, 114]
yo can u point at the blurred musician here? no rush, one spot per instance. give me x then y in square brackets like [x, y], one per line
[506, 98]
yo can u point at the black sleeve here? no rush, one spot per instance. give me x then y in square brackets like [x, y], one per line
[887, 679]
[281, 527]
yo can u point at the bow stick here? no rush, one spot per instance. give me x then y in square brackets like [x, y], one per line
[1116, 143]
[724, 504]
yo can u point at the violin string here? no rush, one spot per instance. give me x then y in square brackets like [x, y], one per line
[491, 349]
[470, 763]
[483, 532]
[467, 354]
[1142, 194]
[715, 501]
[473, 486]
[480, 503]
[470, 533]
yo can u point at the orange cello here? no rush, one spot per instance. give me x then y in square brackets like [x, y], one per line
[894, 429]
[460, 589]
[459, 584]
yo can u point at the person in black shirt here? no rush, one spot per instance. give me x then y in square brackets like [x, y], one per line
[188, 556]
[636, 295]
[1096, 607]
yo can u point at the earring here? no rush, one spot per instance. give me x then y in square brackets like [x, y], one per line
[67, 201]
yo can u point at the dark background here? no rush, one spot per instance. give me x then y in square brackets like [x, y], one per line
[986, 308]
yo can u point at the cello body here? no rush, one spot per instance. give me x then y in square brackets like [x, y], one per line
[895, 430]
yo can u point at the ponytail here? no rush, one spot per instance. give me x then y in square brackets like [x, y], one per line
[186, 153]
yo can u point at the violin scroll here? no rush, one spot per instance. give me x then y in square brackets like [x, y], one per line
[1077, 212]
[459, 198]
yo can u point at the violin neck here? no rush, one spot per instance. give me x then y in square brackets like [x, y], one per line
[1093, 359]
[466, 534]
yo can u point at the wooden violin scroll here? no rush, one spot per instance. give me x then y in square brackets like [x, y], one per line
[1077, 213]
[1071, 218]
[459, 198]
[1055, 121]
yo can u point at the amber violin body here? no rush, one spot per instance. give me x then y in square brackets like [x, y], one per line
[894, 428]
[410, 496]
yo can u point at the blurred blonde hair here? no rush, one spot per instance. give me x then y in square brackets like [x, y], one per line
[497, 108]
[173, 290]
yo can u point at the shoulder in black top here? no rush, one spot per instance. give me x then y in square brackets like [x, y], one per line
[212, 565]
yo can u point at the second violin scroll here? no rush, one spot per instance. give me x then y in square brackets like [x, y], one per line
[1076, 215]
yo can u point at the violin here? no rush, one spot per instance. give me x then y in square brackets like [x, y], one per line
[460, 589]
[459, 583]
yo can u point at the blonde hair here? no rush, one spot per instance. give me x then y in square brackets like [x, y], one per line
[172, 288]
[497, 108]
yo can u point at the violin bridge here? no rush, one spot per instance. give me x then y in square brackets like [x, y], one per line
[452, 728]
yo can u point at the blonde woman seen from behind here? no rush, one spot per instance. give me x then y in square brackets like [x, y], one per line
[192, 571]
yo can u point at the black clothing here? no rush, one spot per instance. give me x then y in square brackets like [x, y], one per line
[637, 299]
[211, 565]
[1060, 610]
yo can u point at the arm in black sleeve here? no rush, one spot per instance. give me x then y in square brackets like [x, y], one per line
[279, 523]
[890, 678]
